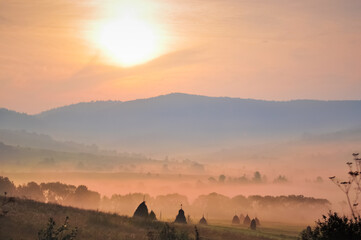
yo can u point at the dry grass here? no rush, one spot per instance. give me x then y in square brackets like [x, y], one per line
[27, 217]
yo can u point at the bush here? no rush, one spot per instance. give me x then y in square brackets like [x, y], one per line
[62, 233]
[333, 227]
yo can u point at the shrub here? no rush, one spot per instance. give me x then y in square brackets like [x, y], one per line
[62, 233]
[333, 227]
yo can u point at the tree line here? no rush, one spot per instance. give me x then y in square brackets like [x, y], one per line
[214, 204]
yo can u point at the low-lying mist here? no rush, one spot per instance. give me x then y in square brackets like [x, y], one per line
[280, 180]
[216, 206]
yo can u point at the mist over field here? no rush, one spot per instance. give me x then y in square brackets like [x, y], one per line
[197, 151]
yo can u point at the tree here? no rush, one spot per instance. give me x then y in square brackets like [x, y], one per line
[354, 178]
[7, 186]
[333, 227]
[31, 190]
[85, 198]
[280, 179]
[257, 177]
[57, 192]
[221, 178]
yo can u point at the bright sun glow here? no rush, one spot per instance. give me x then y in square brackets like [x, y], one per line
[128, 41]
[126, 38]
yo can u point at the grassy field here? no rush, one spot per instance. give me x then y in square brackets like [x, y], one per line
[26, 217]
[283, 232]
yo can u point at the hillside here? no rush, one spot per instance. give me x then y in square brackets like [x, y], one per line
[43, 141]
[99, 225]
[180, 122]
[25, 158]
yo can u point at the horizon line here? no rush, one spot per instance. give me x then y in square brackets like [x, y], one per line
[173, 93]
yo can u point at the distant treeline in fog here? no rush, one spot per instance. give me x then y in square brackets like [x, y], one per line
[295, 208]
[28, 158]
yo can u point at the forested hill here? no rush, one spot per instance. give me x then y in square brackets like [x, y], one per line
[177, 122]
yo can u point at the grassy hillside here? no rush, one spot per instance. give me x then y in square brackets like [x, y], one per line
[26, 217]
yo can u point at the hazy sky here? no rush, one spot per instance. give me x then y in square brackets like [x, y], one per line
[274, 50]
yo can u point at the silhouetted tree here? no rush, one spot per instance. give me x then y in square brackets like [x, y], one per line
[85, 198]
[31, 190]
[280, 179]
[57, 192]
[333, 227]
[306, 234]
[221, 178]
[7, 186]
[354, 177]
[257, 177]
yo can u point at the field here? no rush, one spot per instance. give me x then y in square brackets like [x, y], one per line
[26, 217]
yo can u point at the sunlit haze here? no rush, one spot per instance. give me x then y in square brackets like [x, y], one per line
[55, 53]
[180, 119]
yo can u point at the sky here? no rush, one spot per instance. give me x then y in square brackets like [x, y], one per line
[53, 52]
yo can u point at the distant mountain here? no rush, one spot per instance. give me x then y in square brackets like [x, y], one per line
[182, 122]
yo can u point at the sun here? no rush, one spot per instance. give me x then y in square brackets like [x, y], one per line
[130, 32]
[128, 40]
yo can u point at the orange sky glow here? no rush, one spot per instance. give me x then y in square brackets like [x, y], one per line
[54, 53]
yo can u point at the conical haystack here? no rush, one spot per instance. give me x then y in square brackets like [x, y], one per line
[235, 220]
[247, 221]
[203, 221]
[141, 211]
[180, 217]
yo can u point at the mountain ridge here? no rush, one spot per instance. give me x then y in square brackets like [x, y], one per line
[184, 122]
[174, 94]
